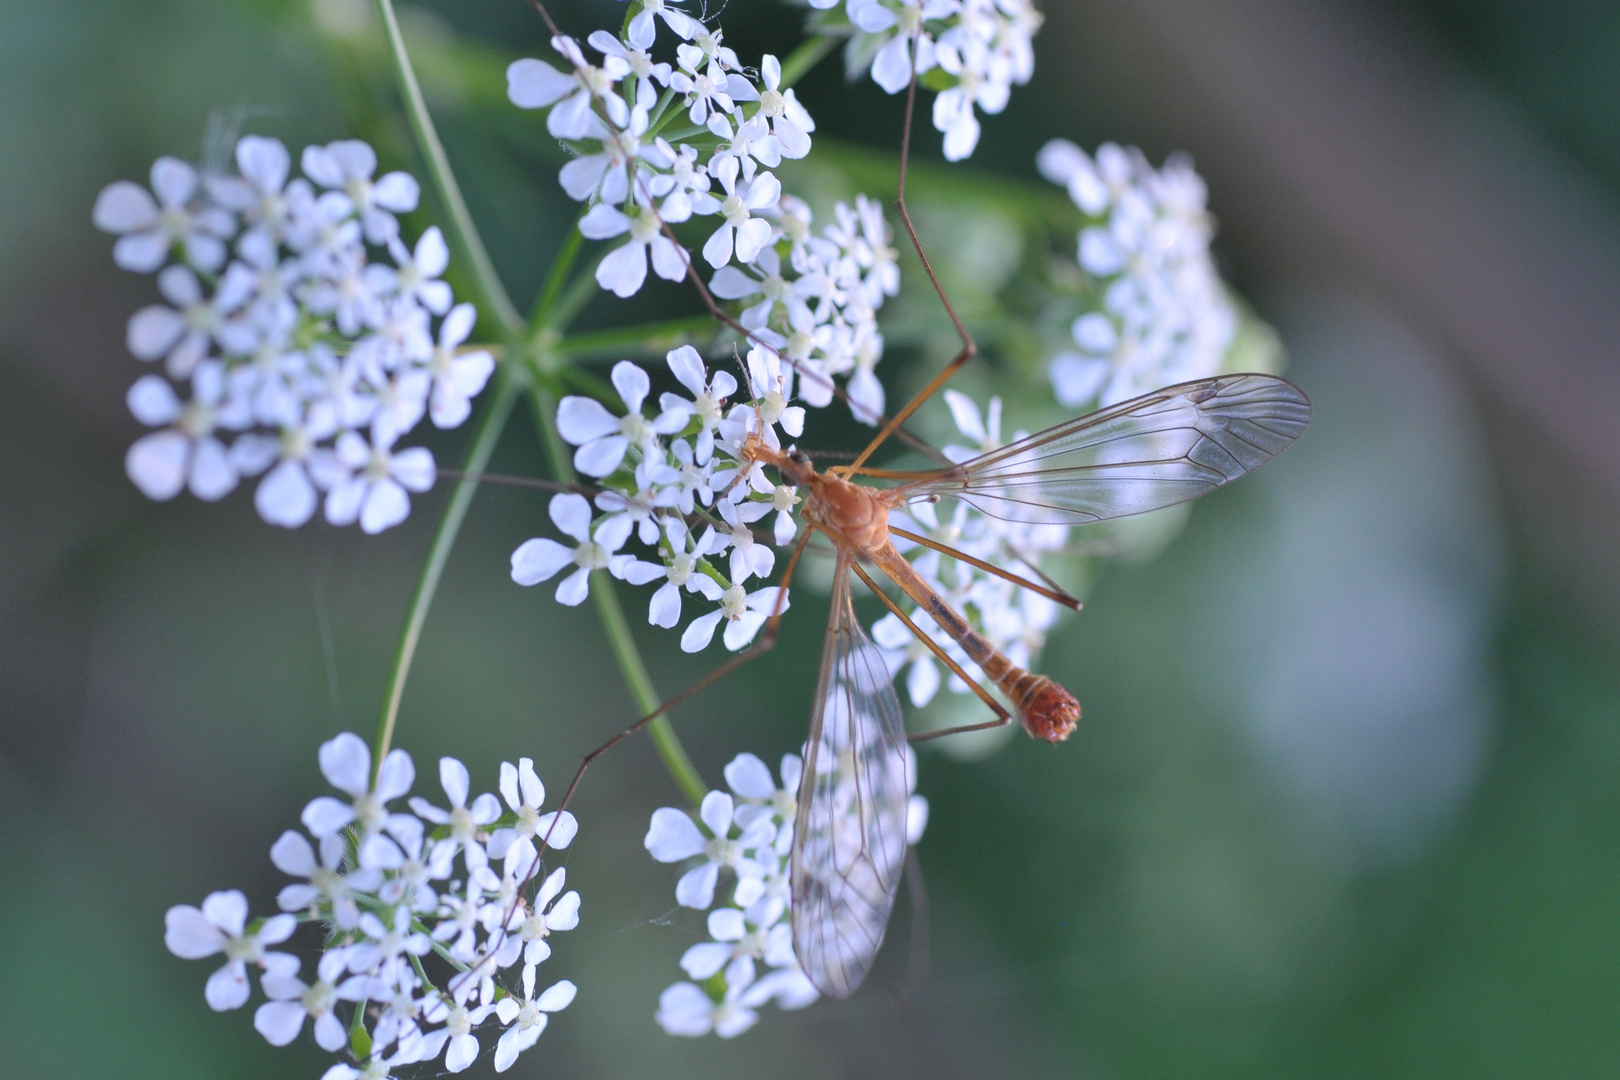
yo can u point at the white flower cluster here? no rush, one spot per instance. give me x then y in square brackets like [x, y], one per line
[1013, 619]
[288, 351]
[390, 890]
[674, 482]
[659, 144]
[749, 834]
[1161, 314]
[974, 51]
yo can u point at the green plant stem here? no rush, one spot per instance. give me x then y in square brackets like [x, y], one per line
[496, 411]
[614, 624]
[808, 54]
[463, 232]
[646, 338]
[545, 307]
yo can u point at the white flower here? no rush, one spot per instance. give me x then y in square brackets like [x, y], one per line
[181, 335]
[623, 270]
[187, 453]
[524, 793]
[287, 496]
[641, 26]
[347, 166]
[744, 614]
[375, 492]
[457, 378]
[220, 926]
[465, 823]
[539, 923]
[416, 273]
[533, 84]
[346, 764]
[684, 1009]
[603, 438]
[706, 90]
[788, 986]
[733, 939]
[709, 395]
[680, 571]
[741, 231]
[258, 195]
[898, 28]
[326, 883]
[539, 559]
[750, 780]
[673, 836]
[281, 1018]
[148, 228]
[385, 943]
[526, 1017]
[789, 122]
[985, 432]
[748, 558]
[461, 1045]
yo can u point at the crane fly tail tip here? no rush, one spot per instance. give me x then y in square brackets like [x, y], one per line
[1052, 715]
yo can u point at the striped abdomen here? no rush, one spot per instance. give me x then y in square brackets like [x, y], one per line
[1046, 710]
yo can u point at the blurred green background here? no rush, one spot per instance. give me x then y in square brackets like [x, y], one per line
[1344, 802]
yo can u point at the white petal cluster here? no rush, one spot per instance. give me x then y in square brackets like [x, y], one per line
[297, 333]
[748, 833]
[673, 483]
[1159, 312]
[393, 892]
[1013, 619]
[657, 144]
[973, 51]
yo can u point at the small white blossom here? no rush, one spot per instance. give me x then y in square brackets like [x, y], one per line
[526, 1017]
[540, 559]
[220, 926]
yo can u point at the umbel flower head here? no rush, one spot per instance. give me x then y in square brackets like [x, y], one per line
[414, 918]
[309, 352]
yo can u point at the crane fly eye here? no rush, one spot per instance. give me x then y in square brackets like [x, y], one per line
[798, 456]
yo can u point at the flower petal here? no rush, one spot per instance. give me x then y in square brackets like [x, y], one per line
[672, 836]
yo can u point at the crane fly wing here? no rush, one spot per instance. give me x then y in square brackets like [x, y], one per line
[1155, 450]
[849, 836]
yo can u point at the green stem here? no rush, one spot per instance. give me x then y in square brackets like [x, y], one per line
[463, 232]
[617, 627]
[808, 54]
[486, 435]
[541, 320]
[646, 338]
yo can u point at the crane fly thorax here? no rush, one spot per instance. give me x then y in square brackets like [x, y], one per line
[852, 516]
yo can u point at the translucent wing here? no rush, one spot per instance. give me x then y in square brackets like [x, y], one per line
[849, 837]
[1156, 450]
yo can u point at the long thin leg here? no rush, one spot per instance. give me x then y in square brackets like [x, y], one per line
[1005, 717]
[969, 347]
[1054, 594]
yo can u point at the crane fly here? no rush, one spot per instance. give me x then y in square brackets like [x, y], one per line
[1157, 450]
[849, 839]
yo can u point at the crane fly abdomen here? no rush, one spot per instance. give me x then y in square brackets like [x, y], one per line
[1046, 709]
